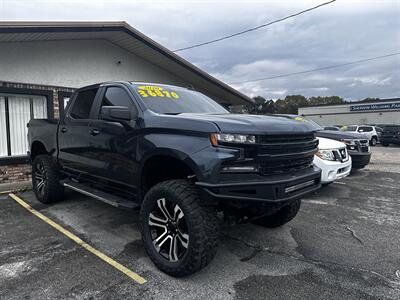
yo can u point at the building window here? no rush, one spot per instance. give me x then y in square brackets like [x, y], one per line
[63, 100]
[15, 113]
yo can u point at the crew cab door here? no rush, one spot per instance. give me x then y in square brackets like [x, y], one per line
[73, 133]
[115, 143]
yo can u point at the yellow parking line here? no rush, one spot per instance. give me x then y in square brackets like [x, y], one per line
[80, 242]
[5, 192]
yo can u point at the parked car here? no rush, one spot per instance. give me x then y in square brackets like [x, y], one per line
[333, 159]
[390, 135]
[181, 158]
[357, 143]
[357, 146]
[368, 130]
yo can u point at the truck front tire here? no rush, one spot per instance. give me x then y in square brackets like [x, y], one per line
[180, 233]
[280, 217]
[46, 179]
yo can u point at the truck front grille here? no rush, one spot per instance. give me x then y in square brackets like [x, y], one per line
[279, 154]
[285, 166]
[364, 145]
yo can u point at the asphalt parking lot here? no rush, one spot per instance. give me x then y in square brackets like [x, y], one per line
[344, 244]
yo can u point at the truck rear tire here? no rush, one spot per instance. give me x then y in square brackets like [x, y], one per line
[281, 217]
[46, 179]
[180, 233]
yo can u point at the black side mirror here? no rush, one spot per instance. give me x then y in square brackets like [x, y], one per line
[117, 113]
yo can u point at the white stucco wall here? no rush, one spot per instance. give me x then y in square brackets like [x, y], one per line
[76, 63]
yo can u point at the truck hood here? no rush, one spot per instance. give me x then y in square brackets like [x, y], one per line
[325, 144]
[252, 124]
[340, 135]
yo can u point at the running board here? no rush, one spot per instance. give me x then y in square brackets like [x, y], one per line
[99, 195]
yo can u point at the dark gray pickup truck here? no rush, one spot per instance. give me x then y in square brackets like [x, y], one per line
[178, 156]
[357, 143]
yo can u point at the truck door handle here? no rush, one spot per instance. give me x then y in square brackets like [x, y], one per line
[64, 129]
[94, 132]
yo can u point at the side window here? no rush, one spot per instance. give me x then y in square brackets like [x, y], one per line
[365, 128]
[116, 96]
[83, 103]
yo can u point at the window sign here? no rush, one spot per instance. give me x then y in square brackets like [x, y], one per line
[366, 107]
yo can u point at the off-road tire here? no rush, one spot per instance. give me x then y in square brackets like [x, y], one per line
[202, 226]
[281, 217]
[374, 141]
[52, 190]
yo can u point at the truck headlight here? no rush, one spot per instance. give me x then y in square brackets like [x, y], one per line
[325, 154]
[217, 138]
[351, 144]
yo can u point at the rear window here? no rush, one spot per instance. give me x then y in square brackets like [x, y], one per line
[83, 104]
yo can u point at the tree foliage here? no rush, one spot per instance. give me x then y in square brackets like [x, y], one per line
[288, 105]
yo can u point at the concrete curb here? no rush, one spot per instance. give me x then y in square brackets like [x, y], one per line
[15, 186]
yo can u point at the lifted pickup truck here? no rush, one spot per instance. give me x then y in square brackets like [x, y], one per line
[179, 156]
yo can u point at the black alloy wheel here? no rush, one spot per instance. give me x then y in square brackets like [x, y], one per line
[169, 230]
[39, 178]
[46, 179]
[179, 231]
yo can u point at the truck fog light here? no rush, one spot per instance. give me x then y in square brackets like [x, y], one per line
[239, 169]
[331, 174]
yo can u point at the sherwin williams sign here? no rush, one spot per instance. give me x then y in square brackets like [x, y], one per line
[375, 106]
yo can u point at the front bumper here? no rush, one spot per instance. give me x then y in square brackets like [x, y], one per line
[276, 189]
[332, 170]
[360, 159]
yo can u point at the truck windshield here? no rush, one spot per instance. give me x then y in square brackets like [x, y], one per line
[315, 124]
[174, 100]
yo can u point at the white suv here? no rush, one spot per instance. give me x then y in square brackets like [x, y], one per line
[367, 130]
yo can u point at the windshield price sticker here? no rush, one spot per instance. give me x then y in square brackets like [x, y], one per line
[300, 119]
[156, 91]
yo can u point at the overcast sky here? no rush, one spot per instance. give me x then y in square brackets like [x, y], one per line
[338, 33]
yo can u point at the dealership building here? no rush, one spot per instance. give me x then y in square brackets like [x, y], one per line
[42, 63]
[385, 111]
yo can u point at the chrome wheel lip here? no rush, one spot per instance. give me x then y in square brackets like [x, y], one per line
[171, 239]
[39, 178]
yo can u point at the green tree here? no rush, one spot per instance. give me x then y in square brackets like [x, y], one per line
[369, 99]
